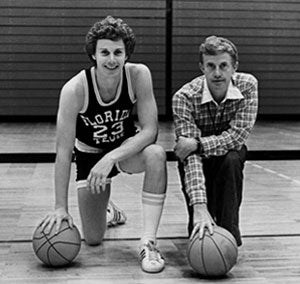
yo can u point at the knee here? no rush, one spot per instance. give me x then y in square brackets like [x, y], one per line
[232, 160]
[155, 156]
[232, 164]
[93, 240]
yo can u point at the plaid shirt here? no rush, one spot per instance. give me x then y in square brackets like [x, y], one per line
[218, 128]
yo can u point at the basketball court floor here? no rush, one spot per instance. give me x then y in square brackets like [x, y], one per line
[270, 216]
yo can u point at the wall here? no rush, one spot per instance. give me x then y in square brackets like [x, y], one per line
[267, 34]
[41, 46]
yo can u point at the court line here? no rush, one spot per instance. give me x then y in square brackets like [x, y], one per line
[275, 173]
[165, 238]
[252, 155]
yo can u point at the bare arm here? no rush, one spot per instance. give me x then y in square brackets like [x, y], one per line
[147, 116]
[69, 106]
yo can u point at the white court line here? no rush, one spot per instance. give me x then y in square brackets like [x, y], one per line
[296, 135]
[275, 173]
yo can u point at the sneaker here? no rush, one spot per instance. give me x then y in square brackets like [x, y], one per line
[150, 258]
[114, 216]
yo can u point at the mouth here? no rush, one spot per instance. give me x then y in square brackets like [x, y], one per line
[218, 82]
[111, 68]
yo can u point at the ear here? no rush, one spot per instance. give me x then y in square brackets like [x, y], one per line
[94, 57]
[236, 65]
[201, 67]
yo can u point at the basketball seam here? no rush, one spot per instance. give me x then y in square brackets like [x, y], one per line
[65, 242]
[202, 255]
[62, 256]
[200, 250]
[220, 252]
[48, 240]
[48, 252]
[189, 249]
[233, 244]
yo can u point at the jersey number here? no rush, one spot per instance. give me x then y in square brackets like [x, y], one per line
[116, 129]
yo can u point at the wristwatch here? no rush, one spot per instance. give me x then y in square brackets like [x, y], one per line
[199, 145]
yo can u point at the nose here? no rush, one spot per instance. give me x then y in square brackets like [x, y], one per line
[217, 72]
[112, 58]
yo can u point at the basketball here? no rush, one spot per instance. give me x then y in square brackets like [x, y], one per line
[213, 255]
[57, 250]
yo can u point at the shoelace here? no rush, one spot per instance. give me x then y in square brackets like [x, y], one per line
[117, 216]
[153, 252]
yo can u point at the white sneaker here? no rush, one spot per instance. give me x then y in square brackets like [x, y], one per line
[150, 258]
[114, 215]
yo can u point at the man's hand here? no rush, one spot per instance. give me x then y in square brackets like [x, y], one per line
[202, 221]
[55, 218]
[184, 147]
[97, 178]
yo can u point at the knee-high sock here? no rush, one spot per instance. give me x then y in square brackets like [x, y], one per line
[152, 205]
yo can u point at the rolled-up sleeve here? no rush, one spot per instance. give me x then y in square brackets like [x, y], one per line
[183, 109]
[185, 125]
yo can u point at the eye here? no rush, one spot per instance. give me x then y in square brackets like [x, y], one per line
[210, 66]
[118, 52]
[104, 52]
[223, 66]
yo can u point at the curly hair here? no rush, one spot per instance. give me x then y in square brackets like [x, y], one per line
[113, 29]
[214, 45]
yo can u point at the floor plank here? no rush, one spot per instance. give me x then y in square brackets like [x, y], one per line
[40, 137]
[270, 219]
[260, 260]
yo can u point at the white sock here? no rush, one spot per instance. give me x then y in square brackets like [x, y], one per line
[152, 205]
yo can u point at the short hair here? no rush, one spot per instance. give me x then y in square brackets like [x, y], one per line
[113, 29]
[214, 45]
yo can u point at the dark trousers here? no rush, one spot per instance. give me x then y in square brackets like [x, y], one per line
[224, 187]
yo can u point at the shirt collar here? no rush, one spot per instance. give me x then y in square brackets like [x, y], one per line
[233, 93]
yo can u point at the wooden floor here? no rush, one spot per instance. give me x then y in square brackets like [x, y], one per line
[270, 216]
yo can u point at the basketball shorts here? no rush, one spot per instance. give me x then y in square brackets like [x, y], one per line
[85, 162]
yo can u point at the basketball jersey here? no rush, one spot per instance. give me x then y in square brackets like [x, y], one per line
[104, 125]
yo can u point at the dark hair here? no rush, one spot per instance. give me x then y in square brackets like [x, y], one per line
[214, 45]
[113, 29]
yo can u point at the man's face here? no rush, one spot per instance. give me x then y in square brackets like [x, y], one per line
[218, 70]
[110, 56]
